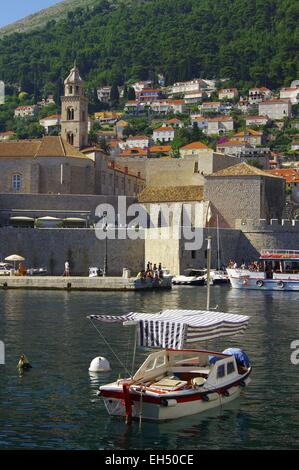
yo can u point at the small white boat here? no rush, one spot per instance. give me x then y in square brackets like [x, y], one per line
[94, 271]
[176, 382]
[276, 270]
[191, 277]
[5, 269]
[219, 276]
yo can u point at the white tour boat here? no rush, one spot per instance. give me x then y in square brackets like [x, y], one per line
[276, 270]
[175, 382]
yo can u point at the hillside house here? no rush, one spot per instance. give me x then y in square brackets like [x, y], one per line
[276, 109]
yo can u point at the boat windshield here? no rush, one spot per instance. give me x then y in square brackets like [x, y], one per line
[195, 272]
[191, 358]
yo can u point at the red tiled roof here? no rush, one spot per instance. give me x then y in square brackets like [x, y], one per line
[7, 133]
[211, 103]
[227, 90]
[220, 119]
[275, 101]
[249, 131]
[137, 137]
[156, 90]
[259, 118]
[232, 143]
[173, 121]
[164, 129]
[160, 148]
[195, 145]
[26, 106]
[175, 101]
[134, 152]
[289, 174]
[53, 116]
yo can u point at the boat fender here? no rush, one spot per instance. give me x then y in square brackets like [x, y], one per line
[99, 393]
[242, 383]
[245, 282]
[280, 284]
[226, 393]
[260, 283]
[170, 402]
[205, 397]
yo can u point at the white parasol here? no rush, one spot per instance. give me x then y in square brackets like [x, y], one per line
[14, 258]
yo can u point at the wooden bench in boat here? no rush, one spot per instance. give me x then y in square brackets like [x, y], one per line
[169, 384]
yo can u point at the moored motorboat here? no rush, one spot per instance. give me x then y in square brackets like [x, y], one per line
[219, 276]
[175, 381]
[276, 270]
[191, 277]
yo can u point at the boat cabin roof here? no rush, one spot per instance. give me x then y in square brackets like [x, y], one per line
[279, 255]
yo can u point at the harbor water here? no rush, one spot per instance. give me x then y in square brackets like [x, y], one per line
[54, 405]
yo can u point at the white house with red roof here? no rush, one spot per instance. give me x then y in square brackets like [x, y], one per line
[147, 95]
[295, 145]
[199, 121]
[220, 125]
[232, 147]
[291, 93]
[211, 106]
[29, 110]
[276, 109]
[6, 135]
[194, 149]
[195, 96]
[164, 134]
[257, 120]
[141, 141]
[251, 136]
[51, 122]
[168, 106]
[175, 123]
[191, 85]
[257, 95]
[228, 93]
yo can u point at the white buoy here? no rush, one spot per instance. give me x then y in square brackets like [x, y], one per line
[99, 364]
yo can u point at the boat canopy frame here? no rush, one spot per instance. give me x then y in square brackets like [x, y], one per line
[176, 329]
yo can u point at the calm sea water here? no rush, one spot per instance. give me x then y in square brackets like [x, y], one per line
[54, 405]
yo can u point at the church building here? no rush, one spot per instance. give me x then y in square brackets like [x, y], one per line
[64, 164]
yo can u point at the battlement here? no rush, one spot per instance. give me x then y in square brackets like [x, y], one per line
[263, 225]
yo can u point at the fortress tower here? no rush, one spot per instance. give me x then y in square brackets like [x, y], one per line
[74, 111]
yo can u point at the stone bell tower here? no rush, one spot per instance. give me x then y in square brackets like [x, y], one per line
[74, 111]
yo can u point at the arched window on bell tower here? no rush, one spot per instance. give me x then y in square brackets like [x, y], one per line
[70, 138]
[70, 89]
[70, 114]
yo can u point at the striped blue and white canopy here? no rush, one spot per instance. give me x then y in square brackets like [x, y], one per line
[178, 328]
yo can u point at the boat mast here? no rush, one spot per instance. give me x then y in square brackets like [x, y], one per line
[208, 270]
[218, 246]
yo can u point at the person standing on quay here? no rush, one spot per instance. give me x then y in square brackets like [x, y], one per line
[66, 269]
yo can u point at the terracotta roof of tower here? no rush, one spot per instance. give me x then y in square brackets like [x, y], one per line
[242, 169]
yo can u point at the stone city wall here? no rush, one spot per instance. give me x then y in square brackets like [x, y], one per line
[50, 248]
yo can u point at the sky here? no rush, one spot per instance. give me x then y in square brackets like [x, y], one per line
[13, 10]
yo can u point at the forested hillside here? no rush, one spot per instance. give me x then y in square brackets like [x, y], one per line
[249, 41]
